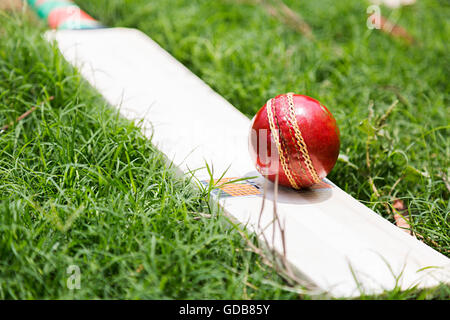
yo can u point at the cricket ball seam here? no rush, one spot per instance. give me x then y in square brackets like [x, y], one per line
[274, 132]
[300, 141]
[298, 177]
[304, 175]
[285, 147]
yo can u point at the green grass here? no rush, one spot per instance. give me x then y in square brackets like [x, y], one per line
[248, 57]
[81, 186]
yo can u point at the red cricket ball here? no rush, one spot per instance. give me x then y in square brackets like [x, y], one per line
[295, 137]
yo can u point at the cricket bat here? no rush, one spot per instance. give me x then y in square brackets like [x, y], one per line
[331, 240]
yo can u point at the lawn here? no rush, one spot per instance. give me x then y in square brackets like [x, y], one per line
[249, 56]
[81, 186]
